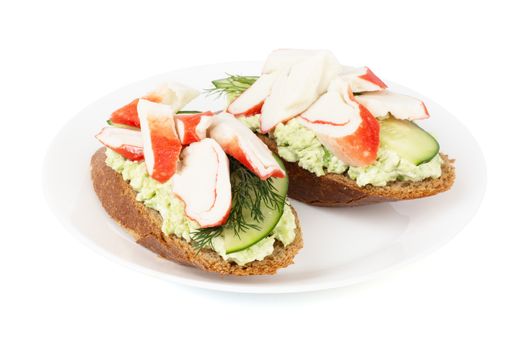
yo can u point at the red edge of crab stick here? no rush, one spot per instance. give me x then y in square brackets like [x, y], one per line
[374, 79]
[192, 127]
[127, 115]
[356, 142]
[203, 183]
[251, 101]
[241, 143]
[161, 142]
[126, 142]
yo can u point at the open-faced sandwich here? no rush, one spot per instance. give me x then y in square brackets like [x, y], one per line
[196, 188]
[345, 137]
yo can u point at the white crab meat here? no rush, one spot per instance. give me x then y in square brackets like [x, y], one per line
[176, 95]
[381, 103]
[203, 183]
[161, 142]
[126, 142]
[293, 92]
[251, 101]
[344, 127]
[242, 144]
[335, 107]
[173, 94]
[283, 59]
[362, 79]
[192, 127]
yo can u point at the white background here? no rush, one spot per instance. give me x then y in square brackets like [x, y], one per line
[58, 57]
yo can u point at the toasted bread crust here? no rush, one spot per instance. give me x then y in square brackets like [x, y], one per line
[332, 190]
[144, 224]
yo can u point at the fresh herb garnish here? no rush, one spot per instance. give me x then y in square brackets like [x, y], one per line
[232, 86]
[188, 112]
[203, 237]
[249, 194]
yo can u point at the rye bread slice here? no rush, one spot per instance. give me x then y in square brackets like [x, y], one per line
[144, 224]
[333, 190]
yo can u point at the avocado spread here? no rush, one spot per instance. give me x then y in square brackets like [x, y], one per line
[159, 197]
[297, 143]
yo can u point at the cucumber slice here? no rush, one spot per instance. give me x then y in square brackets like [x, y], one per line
[408, 140]
[238, 81]
[221, 83]
[234, 243]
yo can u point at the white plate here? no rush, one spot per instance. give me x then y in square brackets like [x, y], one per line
[342, 246]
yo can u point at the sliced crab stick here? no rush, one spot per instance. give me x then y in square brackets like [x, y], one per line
[283, 59]
[343, 126]
[161, 142]
[127, 115]
[250, 102]
[381, 103]
[203, 183]
[362, 79]
[335, 107]
[192, 127]
[126, 142]
[294, 92]
[174, 94]
[239, 142]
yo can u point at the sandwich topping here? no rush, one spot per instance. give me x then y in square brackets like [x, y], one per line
[331, 118]
[296, 143]
[213, 182]
[217, 186]
[160, 197]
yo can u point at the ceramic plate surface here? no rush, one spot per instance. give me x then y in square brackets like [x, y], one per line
[342, 246]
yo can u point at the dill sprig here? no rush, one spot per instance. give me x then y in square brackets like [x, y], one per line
[203, 237]
[249, 194]
[232, 86]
